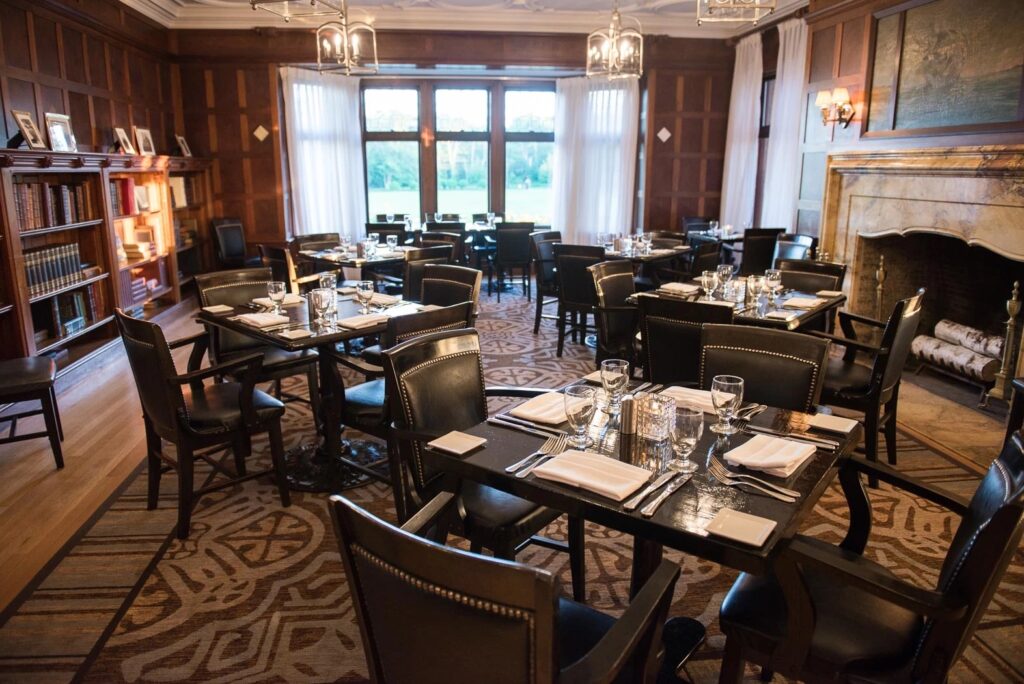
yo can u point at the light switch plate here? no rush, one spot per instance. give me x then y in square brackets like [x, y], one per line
[260, 133]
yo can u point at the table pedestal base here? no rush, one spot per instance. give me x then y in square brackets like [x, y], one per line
[312, 469]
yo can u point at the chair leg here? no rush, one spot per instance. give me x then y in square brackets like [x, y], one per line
[537, 314]
[475, 547]
[52, 428]
[313, 384]
[56, 412]
[276, 388]
[871, 442]
[890, 431]
[561, 331]
[766, 675]
[577, 559]
[277, 456]
[185, 484]
[242, 448]
[154, 447]
[501, 281]
[505, 551]
[732, 663]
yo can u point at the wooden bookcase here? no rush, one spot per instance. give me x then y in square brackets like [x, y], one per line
[191, 211]
[63, 266]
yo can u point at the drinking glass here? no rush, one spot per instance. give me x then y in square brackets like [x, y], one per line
[364, 294]
[713, 227]
[322, 298]
[645, 242]
[276, 292]
[408, 222]
[392, 241]
[614, 378]
[437, 217]
[726, 396]
[709, 281]
[627, 246]
[329, 281]
[390, 218]
[773, 281]
[490, 219]
[370, 247]
[580, 404]
[686, 433]
[346, 240]
[725, 273]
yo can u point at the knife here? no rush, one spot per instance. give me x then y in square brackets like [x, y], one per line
[508, 418]
[657, 484]
[520, 428]
[650, 509]
[799, 437]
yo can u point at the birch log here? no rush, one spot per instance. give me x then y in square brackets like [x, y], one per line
[976, 340]
[955, 358]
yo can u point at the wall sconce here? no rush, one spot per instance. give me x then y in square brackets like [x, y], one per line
[835, 106]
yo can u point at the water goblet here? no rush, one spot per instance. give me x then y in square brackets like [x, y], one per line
[614, 378]
[726, 397]
[773, 281]
[490, 219]
[689, 427]
[725, 273]
[321, 299]
[627, 246]
[392, 241]
[437, 217]
[645, 242]
[364, 295]
[580, 404]
[713, 227]
[390, 218]
[276, 291]
[709, 281]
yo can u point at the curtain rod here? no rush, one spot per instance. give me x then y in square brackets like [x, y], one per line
[797, 13]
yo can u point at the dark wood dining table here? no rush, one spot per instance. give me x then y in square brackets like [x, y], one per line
[333, 258]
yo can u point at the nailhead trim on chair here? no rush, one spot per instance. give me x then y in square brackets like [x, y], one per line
[244, 283]
[458, 325]
[647, 336]
[815, 366]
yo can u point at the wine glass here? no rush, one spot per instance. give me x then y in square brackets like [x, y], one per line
[709, 281]
[390, 218]
[437, 217]
[645, 242]
[773, 281]
[713, 228]
[580, 404]
[392, 241]
[364, 294]
[276, 292]
[726, 396]
[614, 378]
[490, 219]
[370, 246]
[686, 433]
[322, 298]
[725, 273]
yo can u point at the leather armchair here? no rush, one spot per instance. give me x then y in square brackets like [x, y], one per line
[616, 319]
[511, 251]
[444, 285]
[410, 284]
[670, 337]
[232, 251]
[794, 246]
[758, 251]
[813, 266]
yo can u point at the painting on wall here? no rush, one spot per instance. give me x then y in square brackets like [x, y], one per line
[955, 63]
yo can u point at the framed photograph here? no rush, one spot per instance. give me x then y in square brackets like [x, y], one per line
[145, 141]
[141, 199]
[144, 235]
[28, 130]
[62, 138]
[185, 151]
[124, 141]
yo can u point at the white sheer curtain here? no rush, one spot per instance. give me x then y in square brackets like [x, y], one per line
[782, 161]
[325, 152]
[596, 128]
[739, 181]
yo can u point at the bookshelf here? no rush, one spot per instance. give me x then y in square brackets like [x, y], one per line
[82, 234]
[190, 191]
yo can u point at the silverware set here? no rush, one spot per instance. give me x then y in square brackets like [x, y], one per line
[678, 481]
[548, 450]
[819, 442]
[729, 478]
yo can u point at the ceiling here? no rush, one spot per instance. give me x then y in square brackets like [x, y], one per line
[665, 17]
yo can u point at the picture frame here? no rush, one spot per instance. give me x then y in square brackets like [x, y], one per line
[29, 132]
[183, 145]
[62, 137]
[141, 198]
[144, 235]
[124, 141]
[144, 139]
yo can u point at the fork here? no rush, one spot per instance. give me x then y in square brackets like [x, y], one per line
[716, 467]
[730, 481]
[544, 458]
[546, 448]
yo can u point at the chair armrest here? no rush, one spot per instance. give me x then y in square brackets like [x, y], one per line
[615, 649]
[384, 277]
[249, 364]
[897, 479]
[616, 309]
[411, 435]
[872, 579]
[191, 339]
[504, 391]
[846, 342]
[314, 277]
[360, 366]
[200, 343]
[429, 515]
[860, 318]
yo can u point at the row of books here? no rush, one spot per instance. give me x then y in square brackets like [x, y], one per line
[51, 268]
[122, 196]
[41, 205]
[69, 313]
[183, 191]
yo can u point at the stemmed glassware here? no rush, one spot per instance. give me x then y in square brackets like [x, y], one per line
[490, 219]
[437, 217]
[392, 241]
[713, 227]
[580, 404]
[689, 427]
[709, 281]
[614, 378]
[276, 291]
[346, 240]
[322, 298]
[645, 242]
[390, 218]
[364, 295]
[727, 397]
[773, 281]
[725, 272]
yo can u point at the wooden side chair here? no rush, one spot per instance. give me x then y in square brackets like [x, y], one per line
[31, 379]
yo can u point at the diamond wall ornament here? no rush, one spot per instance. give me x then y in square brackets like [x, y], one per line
[260, 133]
[664, 134]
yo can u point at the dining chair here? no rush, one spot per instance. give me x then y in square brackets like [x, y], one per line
[239, 287]
[670, 331]
[480, 619]
[511, 252]
[705, 256]
[232, 251]
[304, 274]
[410, 283]
[316, 241]
[695, 224]
[779, 368]
[859, 621]
[385, 229]
[276, 259]
[198, 419]
[482, 218]
[456, 240]
[758, 250]
[614, 316]
[446, 226]
[444, 285]
[805, 281]
[873, 389]
[545, 273]
[577, 298]
[403, 328]
[813, 266]
[794, 246]
[435, 384]
[32, 379]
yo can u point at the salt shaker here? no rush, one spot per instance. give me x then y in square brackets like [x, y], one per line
[627, 415]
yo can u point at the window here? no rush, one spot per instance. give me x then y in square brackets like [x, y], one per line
[463, 150]
[391, 122]
[529, 152]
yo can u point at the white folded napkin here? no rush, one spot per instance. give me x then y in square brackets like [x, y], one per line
[829, 293]
[667, 250]
[263, 320]
[825, 421]
[364, 321]
[289, 299]
[773, 455]
[681, 288]
[218, 308]
[403, 310]
[695, 397]
[802, 302]
[548, 408]
[346, 290]
[594, 472]
[593, 377]
[297, 334]
[781, 315]
[380, 299]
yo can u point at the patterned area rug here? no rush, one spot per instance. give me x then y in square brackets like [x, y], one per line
[257, 593]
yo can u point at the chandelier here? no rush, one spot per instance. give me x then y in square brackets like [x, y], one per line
[348, 46]
[616, 52]
[733, 10]
[289, 9]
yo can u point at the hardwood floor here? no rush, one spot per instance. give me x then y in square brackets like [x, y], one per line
[41, 507]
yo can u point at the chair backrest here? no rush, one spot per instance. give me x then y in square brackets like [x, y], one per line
[482, 218]
[779, 368]
[575, 284]
[803, 281]
[705, 257]
[435, 384]
[788, 248]
[276, 259]
[512, 246]
[404, 328]
[693, 224]
[385, 229]
[415, 261]
[231, 288]
[812, 266]
[515, 225]
[987, 539]
[666, 243]
[758, 250]
[456, 240]
[454, 226]
[383, 218]
[666, 235]
[152, 366]
[613, 283]
[544, 258]
[316, 241]
[230, 240]
[899, 332]
[539, 235]
[444, 285]
[419, 602]
[670, 336]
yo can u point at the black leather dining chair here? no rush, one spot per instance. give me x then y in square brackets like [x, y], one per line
[545, 273]
[276, 259]
[435, 384]
[444, 285]
[232, 251]
[705, 256]
[410, 283]
[383, 218]
[803, 281]
[316, 241]
[614, 316]
[758, 250]
[670, 333]
[385, 229]
[303, 274]
[696, 224]
[873, 389]
[779, 368]
[432, 614]
[180, 408]
[813, 266]
[511, 252]
[577, 298]
[482, 217]
[794, 246]
[437, 238]
[858, 621]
